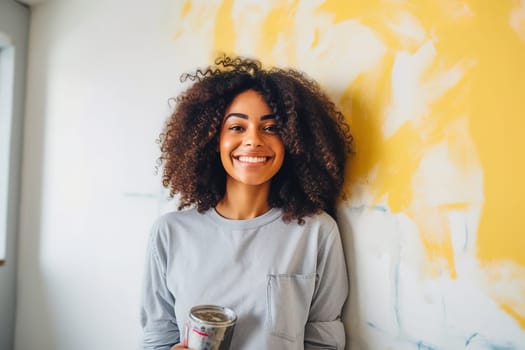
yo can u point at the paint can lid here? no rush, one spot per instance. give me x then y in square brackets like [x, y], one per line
[213, 315]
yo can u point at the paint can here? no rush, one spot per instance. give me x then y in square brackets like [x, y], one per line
[209, 327]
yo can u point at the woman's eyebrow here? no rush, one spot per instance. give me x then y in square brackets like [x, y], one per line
[244, 116]
[238, 115]
[268, 116]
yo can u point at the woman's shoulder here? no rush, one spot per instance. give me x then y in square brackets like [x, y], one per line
[327, 230]
[170, 221]
[321, 218]
[177, 215]
[320, 223]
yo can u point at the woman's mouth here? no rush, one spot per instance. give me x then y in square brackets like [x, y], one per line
[252, 159]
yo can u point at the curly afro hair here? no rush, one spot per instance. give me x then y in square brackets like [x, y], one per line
[316, 138]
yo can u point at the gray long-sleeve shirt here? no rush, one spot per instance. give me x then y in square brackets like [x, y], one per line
[286, 282]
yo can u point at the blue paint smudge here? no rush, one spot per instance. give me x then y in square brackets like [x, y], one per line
[361, 208]
[423, 346]
[396, 294]
[396, 282]
[381, 208]
[501, 347]
[488, 344]
[374, 326]
[470, 338]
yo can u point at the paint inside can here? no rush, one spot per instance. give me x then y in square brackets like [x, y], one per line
[210, 327]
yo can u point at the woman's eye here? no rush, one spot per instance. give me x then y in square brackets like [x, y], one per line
[272, 129]
[235, 128]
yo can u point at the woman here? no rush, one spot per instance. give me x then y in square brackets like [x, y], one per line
[258, 157]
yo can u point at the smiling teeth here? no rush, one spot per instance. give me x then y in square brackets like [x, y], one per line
[252, 159]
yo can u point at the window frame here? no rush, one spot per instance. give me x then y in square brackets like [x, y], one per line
[7, 67]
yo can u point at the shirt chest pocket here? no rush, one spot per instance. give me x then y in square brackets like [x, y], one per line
[288, 301]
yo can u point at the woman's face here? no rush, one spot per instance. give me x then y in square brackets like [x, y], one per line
[250, 147]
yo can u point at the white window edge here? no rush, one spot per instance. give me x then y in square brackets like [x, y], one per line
[7, 60]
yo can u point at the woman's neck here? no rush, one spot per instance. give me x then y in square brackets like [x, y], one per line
[242, 202]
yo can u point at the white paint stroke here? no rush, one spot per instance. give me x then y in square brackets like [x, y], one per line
[411, 94]
[517, 20]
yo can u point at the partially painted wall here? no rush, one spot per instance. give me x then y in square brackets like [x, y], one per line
[434, 92]
[431, 226]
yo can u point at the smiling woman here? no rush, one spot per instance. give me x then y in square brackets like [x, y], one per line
[259, 155]
[315, 137]
[250, 148]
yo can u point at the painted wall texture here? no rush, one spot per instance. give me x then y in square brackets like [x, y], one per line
[434, 92]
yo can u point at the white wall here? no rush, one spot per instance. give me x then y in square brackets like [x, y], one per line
[14, 28]
[100, 75]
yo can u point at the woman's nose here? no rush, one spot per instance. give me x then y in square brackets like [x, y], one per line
[253, 138]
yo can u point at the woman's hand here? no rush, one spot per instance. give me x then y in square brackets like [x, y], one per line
[178, 346]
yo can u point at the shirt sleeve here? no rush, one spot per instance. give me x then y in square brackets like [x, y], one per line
[324, 329]
[157, 317]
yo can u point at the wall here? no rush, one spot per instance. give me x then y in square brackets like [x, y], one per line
[431, 89]
[100, 75]
[14, 28]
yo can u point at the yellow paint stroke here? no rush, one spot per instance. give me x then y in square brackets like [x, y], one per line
[431, 224]
[278, 28]
[489, 93]
[511, 311]
[361, 103]
[343, 10]
[186, 8]
[498, 106]
[505, 283]
[225, 38]
[315, 41]
[396, 160]
[184, 16]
